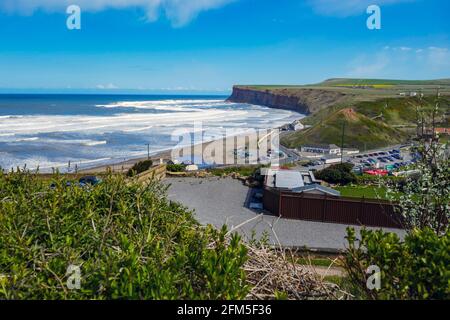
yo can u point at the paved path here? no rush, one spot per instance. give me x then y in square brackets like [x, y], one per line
[219, 201]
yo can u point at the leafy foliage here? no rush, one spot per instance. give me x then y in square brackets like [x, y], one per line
[414, 269]
[425, 198]
[176, 167]
[140, 167]
[244, 171]
[338, 174]
[129, 241]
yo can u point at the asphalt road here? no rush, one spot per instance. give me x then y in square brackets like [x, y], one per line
[220, 201]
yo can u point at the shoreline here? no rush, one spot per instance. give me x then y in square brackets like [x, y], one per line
[196, 151]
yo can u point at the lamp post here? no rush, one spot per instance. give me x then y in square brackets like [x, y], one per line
[148, 151]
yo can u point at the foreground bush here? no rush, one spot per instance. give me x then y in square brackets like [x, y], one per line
[418, 268]
[128, 240]
[176, 167]
[140, 167]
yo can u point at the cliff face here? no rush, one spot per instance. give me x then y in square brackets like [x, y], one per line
[302, 100]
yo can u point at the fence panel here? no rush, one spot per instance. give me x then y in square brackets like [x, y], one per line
[289, 205]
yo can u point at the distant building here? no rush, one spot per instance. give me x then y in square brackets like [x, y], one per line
[442, 130]
[297, 126]
[331, 160]
[321, 148]
[295, 181]
[350, 151]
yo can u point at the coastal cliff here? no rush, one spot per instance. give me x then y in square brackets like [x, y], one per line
[302, 100]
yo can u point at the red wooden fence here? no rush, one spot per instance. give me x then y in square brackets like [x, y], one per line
[352, 211]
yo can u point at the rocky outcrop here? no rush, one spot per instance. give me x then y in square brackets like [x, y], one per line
[302, 100]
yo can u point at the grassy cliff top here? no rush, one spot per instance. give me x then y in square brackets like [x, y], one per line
[362, 88]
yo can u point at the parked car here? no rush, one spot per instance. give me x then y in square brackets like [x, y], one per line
[89, 181]
[53, 185]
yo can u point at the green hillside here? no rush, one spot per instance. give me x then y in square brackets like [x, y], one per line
[392, 111]
[368, 82]
[360, 132]
[385, 111]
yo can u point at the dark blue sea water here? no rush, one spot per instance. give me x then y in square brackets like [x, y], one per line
[48, 131]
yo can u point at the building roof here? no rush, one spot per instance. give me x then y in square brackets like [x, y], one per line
[285, 179]
[321, 146]
[318, 187]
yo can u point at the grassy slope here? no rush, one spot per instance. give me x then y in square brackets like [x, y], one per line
[345, 81]
[395, 111]
[384, 110]
[361, 132]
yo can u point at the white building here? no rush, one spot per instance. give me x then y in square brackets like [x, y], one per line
[295, 181]
[321, 148]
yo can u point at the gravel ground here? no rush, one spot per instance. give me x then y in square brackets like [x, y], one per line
[219, 201]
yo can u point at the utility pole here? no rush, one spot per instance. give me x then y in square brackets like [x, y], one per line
[342, 142]
[148, 151]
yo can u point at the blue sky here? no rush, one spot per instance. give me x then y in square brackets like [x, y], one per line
[209, 45]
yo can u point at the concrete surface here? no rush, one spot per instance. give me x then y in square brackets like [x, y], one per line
[219, 201]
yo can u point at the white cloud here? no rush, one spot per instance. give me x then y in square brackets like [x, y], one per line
[179, 12]
[438, 57]
[347, 8]
[108, 86]
[391, 62]
[368, 66]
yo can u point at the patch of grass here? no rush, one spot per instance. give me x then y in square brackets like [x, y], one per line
[319, 262]
[245, 171]
[368, 192]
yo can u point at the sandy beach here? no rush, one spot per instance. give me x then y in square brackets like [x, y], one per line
[221, 152]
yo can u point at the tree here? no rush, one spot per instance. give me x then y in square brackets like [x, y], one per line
[338, 174]
[424, 198]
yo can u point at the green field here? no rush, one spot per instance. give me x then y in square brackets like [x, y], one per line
[368, 192]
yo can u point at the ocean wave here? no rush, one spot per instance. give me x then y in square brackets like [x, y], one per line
[52, 140]
[167, 105]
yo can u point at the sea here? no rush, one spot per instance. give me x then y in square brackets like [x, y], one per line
[61, 131]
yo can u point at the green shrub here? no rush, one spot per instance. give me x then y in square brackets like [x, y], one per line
[417, 268]
[128, 239]
[244, 171]
[176, 167]
[140, 167]
[338, 174]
